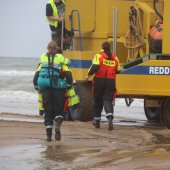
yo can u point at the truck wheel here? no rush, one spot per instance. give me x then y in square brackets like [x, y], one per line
[86, 102]
[152, 113]
[166, 113]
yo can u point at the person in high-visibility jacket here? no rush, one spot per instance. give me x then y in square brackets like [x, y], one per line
[52, 78]
[104, 66]
[55, 16]
[72, 99]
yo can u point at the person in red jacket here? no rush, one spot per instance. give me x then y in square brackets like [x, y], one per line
[104, 66]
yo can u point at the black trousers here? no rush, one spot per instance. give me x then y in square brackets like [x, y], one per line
[104, 90]
[54, 100]
[56, 35]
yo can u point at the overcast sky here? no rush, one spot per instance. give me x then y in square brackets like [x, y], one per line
[24, 31]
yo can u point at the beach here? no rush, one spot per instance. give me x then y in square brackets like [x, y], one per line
[132, 145]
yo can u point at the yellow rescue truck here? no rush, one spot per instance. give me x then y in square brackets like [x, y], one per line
[126, 25]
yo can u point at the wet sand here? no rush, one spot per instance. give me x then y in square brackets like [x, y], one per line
[132, 145]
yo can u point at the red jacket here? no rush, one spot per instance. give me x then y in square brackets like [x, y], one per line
[108, 67]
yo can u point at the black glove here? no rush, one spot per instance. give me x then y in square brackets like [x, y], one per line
[41, 112]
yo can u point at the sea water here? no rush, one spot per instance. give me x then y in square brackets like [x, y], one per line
[17, 93]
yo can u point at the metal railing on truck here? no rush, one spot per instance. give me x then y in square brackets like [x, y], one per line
[146, 58]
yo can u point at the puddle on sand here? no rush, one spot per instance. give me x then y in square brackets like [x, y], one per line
[41, 157]
[58, 152]
[34, 157]
[20, 157]
[143, 123]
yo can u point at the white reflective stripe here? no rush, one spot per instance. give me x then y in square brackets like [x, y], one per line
[109, 114]
[97, 118]
[59, 117]
[48, 126]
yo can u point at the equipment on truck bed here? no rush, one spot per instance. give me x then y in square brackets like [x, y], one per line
[155, 38]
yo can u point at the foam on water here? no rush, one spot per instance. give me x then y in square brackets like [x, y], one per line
[13, 95]
[12, 73]
[21, 102]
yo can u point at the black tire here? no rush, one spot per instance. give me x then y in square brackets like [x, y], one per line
[152, 113]
[86, 102]
[166, 113]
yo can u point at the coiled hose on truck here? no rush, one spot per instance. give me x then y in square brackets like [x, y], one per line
[134, 39]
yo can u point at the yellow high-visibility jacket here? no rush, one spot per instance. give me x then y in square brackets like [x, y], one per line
[55, 13]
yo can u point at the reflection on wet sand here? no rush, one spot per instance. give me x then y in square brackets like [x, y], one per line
[19, 157]
[133, 144]
[58, 153]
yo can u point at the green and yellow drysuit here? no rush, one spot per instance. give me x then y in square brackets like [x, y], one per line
[44, 82]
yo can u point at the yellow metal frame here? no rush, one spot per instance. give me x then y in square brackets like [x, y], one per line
[166, 27]
[80, 57]
[146, 84]
[96, 22]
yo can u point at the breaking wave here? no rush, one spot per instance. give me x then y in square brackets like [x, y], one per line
[13, 73]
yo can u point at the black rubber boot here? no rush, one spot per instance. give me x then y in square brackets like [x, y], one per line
[49, 134]
[57, 129]
[110, 123]
[96, 123]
